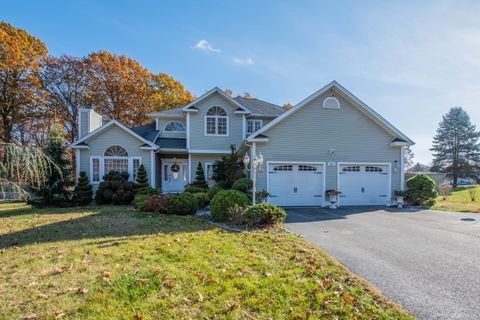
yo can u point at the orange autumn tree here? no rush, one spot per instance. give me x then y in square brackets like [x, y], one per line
[20, 58]
[167, 92]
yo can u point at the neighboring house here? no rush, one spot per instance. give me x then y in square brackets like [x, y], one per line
[330, 140]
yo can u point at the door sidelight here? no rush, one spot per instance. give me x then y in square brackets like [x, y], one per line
[363, 189]
[295, 189]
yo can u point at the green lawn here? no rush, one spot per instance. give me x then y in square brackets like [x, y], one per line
[114, 263]
[459, 201]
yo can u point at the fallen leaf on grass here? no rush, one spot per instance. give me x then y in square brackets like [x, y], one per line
[63, 269]
[311, 260]
[82, 290]
[168, 283]
[200, 297]
[31, 316]
[57, 314]
[347, 298]
[309, 271]
[137, 317]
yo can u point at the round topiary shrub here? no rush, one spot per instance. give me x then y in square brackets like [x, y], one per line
[202, 199]
[194, 189]
[225, 200]
[115, 189]
[421, 190]
[243, 185]
[263, 214]
[140, 201]
[181, 204]
[213, 191]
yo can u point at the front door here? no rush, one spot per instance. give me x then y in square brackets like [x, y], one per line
[174, 175]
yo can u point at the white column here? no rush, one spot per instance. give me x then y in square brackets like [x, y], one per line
[188, 131]
[77, 163]
[153, 176]
[244, 126]
[402, 169]
[254, 171]
[189, 168]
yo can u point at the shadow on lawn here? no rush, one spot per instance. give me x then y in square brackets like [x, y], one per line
[105, 223]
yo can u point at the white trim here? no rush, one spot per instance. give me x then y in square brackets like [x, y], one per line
[254, 172]
[324, 173]
[157, 126]
[82, 147]
[253, 120]
[100, 169]
[355, 101]
[161, 115]
[331, 98]
[208, 93]
[399, 144]
[77, 163]
[165, 126]
[244, 126]
[188, 131]
[170, 150]
[209, 151]
[189, 169]
[389, 181]
[109, 124]
[180, 161]
[153, 176]
[216, 123]
[401, 170]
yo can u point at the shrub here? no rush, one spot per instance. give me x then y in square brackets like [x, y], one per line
[200, 177]
[213, 191]
[445, 191]
[194, 189]
[148, 191]
[140, 201]
[263, 214]
[472, 192]
[229, 168]
[156, 204]
[234, 214]
[83, 190]
[224, 200]
[141, 180]
[202, 199]
[115, 189]
[181, 204]
[421, 190]
[243, 185]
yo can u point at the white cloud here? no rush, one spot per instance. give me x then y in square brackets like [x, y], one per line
[242, 61]
[204, 45]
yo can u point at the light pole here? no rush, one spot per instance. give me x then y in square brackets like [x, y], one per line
[257, 162]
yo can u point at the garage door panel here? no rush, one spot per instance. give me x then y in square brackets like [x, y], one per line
[363, 184]
[296, 184]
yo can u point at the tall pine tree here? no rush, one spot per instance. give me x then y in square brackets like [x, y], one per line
[456, 149]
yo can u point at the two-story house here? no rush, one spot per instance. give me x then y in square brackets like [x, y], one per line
[330, 140]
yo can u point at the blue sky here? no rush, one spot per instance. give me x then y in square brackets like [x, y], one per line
[409, 60]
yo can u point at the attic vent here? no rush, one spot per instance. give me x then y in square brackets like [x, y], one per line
[331, 103]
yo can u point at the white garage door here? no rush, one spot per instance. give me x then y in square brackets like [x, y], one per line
[296, 184]
[364, 184]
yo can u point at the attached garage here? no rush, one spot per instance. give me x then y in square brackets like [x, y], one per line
[296, 183]
[364, 183]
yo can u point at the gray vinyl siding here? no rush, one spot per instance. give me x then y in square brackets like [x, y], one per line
[198, 139]
[109, 137]
[162, 122]
[83, 123]
[203, 158]
[308, 134]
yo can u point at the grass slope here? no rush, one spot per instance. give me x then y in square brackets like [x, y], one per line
[459, 201]
[114, 263]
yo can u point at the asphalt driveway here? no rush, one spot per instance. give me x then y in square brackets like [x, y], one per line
[427, 261]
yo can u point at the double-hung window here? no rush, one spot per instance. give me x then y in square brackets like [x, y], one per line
[253, 126]
[216, 122]
[115, 158]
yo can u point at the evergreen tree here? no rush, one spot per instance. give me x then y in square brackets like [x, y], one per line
[456, 149]
[141, 179]
[200, 177]
[54, 191]
[83, 190]
[229, 168]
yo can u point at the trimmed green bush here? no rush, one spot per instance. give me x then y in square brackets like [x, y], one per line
[202, 199]
[421, 190]
[213, 191]
[115, 189]
[140, 201]
[243, 185]
[200, 177]
[194, 189]
[262, 215]
[156, 204]
[181, 204]
[148, 191]
[225, 200]
[82, 194]
[141, 180]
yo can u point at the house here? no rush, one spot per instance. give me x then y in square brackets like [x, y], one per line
[330, 140]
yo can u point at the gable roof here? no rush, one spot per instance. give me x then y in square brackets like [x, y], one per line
[80, 141]
[192, 104]
[146, 131]
[372, 114]
[259, 107]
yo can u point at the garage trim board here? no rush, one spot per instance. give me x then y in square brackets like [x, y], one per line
[388, 187]
[317, 199]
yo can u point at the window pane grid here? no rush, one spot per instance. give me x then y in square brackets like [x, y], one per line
[222, 126]
[96, 170]
[119, 165]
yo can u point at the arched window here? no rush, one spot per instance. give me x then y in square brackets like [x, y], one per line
[216, 121]
[174, 126]
[116, 151]
[331, 103]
